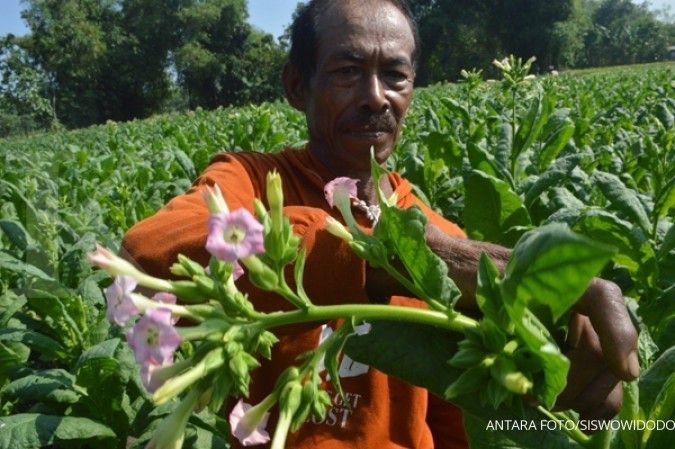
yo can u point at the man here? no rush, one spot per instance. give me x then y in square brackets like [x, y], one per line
[351, 71]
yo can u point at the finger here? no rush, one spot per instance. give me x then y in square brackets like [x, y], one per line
[609, 408]
[603, 304]
[576, 328]
[596, 393]
[585, 363]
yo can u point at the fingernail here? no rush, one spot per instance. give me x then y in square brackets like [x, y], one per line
[634, 365]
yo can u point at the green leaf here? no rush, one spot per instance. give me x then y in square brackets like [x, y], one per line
[654, 378]
[665, 200]
[533, 124]
[104, 349]
[668, 243]
[10, 263]
[622, 198]
[492, 208]
[34, 340]
[552, 266]
[403, 230]
[185, 163]
[630, 411]
[555, 143]
[50, 385]
[551, 177]
[31, 430]
[662, 410]
[488, 293]
[15, 232]
[394, 348]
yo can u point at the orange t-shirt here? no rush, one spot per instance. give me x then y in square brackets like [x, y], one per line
[384, 412]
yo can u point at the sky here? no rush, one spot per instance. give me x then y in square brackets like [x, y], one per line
[270, 15]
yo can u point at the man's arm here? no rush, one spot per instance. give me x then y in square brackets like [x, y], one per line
[601, 340]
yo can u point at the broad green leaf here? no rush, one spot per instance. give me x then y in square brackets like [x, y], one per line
[15, 232]
[10, 263]
[394, 348]
[666, 200]
[555, 143]
[404, 232]
[551, 177]
[622, 198]
[105, 349]
[630, 411]
[663, 409]
[533, 124]
[48, 386]
[36, 341]
[668, 243]
[552, 266]
[185, 163]
[654, 378]
[633, 250]
[488, 294]
[543, 348]
[491, 208]
[31, 430]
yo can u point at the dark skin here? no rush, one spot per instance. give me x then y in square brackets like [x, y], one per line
[356, 98]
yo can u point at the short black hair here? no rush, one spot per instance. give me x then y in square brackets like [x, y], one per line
[304, 38]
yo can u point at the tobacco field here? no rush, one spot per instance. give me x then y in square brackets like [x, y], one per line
[594, 151]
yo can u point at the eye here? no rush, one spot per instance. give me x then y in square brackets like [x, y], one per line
[348, 70]
[396, 76]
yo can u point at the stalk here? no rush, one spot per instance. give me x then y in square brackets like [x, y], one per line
[457, 323]
[574, 433]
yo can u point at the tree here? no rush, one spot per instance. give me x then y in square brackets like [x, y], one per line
[24, 91]
[222, 60]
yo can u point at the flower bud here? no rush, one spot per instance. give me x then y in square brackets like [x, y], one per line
[214, 200]
[260, 274]
[338, 230]
[171, 432]
[517, 383]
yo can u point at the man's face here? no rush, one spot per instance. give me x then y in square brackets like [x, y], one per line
[363, 83]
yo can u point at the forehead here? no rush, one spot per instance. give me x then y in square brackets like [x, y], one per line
[365, 28]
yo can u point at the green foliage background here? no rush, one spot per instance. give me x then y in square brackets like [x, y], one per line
[592, 150]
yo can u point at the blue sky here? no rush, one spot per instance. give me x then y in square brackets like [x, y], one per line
[270, 15]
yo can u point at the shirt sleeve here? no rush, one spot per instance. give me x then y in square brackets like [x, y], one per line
[333, 273]
[180, 227]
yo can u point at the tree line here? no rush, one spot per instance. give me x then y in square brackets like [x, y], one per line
[89, 61]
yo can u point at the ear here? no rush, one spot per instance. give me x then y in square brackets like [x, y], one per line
[293, 87]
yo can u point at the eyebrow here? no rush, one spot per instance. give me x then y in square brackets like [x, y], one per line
[352, 56]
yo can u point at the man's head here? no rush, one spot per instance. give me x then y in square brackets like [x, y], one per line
[351, 70]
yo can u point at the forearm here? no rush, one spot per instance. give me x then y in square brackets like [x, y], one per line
[462, 256]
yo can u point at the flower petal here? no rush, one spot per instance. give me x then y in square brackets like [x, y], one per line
[343, 184]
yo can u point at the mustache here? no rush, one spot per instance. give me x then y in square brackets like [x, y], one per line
[378, 122]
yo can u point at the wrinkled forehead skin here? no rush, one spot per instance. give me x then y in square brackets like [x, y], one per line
[370, 28]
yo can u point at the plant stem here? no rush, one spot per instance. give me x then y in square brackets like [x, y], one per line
[574, 433]
[369, 312]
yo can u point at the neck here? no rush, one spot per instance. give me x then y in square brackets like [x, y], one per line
[366, 185]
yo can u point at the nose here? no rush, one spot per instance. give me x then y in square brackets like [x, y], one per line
[374, 97]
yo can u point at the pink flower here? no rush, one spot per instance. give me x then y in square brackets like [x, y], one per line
[153, 338]
[339, 186]
[237, 271]
[148, 377]
[121, 306]
[112, 264]
[166, 298]
[248, 423]
[234, 236]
